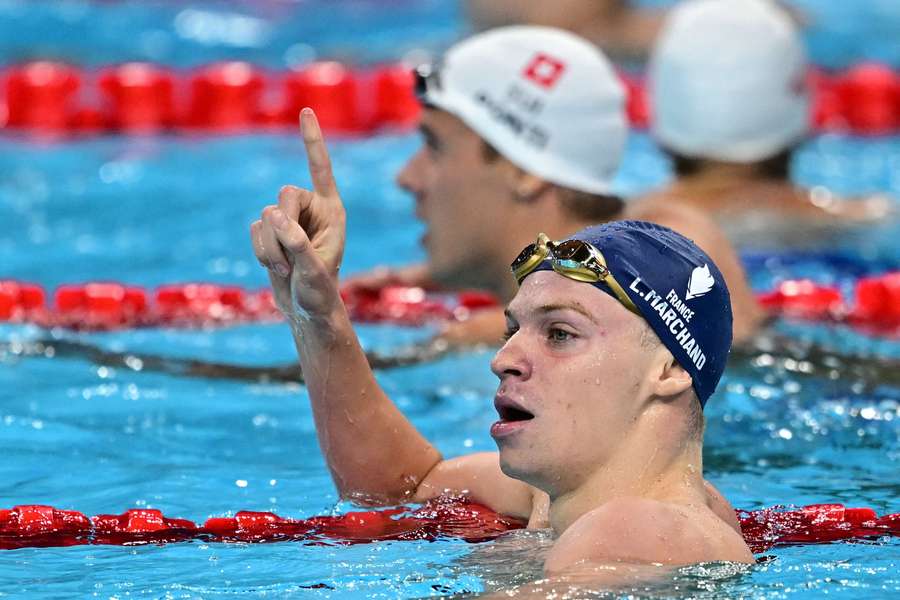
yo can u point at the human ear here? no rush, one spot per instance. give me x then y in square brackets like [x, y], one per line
[673, 379]
[527, 187]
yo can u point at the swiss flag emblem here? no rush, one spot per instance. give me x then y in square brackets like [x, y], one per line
[544, 70]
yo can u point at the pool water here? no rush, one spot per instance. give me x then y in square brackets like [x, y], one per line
[157, 210]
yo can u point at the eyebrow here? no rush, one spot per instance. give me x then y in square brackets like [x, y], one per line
[549, 308]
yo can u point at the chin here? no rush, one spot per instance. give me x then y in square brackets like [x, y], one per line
[513, 465]
[541, 472]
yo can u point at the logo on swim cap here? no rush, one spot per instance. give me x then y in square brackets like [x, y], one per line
[547, 100]
[544, 70]
[699, 283]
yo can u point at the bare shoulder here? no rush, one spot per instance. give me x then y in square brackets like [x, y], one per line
[479, 477]
[643, 531]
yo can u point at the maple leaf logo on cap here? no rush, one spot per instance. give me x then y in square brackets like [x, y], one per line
[544, 70]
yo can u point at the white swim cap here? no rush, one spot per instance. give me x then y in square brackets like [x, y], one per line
[727, 81]
[544, 98]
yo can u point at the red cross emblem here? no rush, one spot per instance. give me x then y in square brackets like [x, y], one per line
[544, 70]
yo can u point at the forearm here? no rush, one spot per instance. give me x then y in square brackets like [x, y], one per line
[374, 453]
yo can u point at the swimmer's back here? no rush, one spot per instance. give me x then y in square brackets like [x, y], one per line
[754, 210]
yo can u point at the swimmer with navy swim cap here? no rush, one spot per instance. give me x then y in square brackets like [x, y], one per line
[523, 131]
[730, 105]
[666, 279]
[615, 339]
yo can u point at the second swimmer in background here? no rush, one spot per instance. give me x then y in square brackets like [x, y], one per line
[730, 105]
[523, 130]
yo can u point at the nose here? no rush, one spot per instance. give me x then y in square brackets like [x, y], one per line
[410, 176]
[511, 360]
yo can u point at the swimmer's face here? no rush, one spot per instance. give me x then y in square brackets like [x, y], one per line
[462, 197]
[573, 376]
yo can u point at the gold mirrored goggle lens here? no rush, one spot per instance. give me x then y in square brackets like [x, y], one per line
[574, 259]
[579, 260]
[529, 258]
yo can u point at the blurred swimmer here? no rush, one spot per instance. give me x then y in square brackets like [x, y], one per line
[524, 128]
[730, 104]
[615, 341]
[620, 29]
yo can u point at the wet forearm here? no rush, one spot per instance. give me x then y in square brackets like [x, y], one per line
[374, 453]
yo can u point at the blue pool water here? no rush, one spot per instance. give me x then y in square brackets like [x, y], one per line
[156, 210]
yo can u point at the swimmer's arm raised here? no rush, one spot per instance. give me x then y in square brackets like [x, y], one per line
[373, 451]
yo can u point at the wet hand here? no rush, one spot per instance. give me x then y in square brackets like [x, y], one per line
[301, 239]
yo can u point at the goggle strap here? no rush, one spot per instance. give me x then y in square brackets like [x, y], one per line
[620, 293]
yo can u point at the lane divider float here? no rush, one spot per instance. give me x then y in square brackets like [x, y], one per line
[44, 526]
[875, 307]
[231, 97]
[108, 306]
[31, 525]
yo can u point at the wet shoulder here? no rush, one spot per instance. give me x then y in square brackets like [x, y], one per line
[643, 531]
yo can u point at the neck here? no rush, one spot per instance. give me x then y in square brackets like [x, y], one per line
[647, 466]
[715, 184]
[720, 173]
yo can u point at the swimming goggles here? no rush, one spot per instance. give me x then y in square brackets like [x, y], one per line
[574, 259]
[427, 79]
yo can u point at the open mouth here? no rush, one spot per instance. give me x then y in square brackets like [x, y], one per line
[512, 413]
[512, 418]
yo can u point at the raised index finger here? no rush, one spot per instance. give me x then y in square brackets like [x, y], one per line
[316, 154]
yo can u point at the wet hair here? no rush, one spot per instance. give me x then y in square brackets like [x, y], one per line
[775, 167]
[584, 206]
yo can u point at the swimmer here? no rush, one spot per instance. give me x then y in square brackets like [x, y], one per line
[524, 129]
[622, 30]
[616, 337]
[730, 105]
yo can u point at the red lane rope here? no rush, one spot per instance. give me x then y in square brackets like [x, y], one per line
[107, 306]
[44, 526]
[875, 306]
[813, 524]
[57, 98]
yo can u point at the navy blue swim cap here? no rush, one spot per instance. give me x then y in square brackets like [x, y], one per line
[677, 289]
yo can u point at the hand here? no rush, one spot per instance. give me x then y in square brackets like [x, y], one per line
[301, 239]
